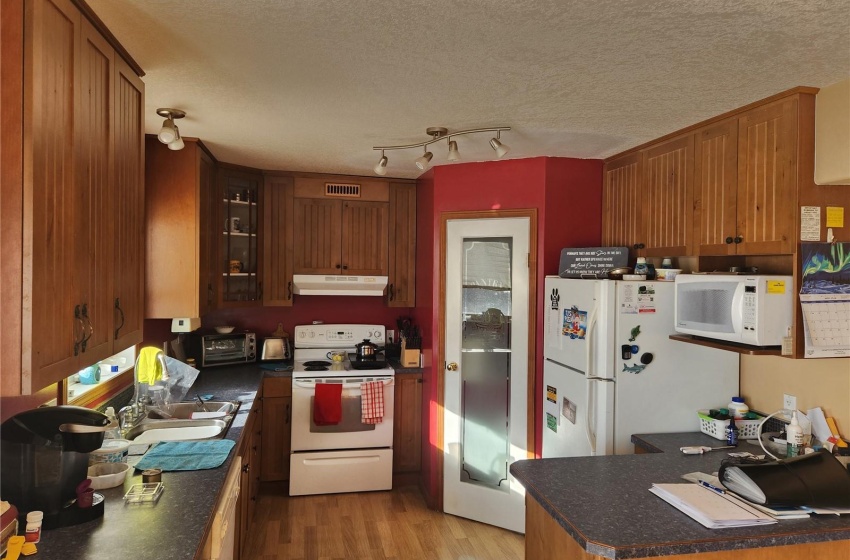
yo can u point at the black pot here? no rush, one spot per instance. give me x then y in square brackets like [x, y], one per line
[367, 350]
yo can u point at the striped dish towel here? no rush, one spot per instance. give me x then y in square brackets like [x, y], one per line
[372, 402]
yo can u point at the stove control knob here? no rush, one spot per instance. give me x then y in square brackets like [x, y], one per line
[301, 334]
[377, 335]
[312, 334]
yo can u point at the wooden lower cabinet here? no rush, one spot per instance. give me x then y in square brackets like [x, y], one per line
[276, 432]
[545, 539]
[407, 423]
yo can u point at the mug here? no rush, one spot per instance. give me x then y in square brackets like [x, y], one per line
[233, 225]
[235, 266]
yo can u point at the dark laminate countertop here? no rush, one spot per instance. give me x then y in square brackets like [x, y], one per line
[604, 502]
[174, 527]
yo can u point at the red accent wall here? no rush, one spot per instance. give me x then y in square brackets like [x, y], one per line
[568, 196]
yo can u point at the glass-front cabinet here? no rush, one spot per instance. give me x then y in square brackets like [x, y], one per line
[240, 235]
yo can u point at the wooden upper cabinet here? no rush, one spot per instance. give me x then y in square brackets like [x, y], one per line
[401, 288]
[52, 327]
[622, 203]
[128, 208]
[278, 212]
[767, 178]
[716, 188]
[240, 233]
[364, 237]
[318, 224]
[93, 230]
[668, 170]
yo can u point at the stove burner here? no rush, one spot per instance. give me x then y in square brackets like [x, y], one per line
[316, 368]
[317, 363]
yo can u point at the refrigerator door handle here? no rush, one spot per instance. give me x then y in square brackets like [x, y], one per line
[591, 410]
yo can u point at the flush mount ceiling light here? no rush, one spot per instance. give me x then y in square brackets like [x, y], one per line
[169, 133]
[438, 133]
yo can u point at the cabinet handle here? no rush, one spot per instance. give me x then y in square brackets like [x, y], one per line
[337, 266]
[260, 294]
[209, 293]
[640, 246]
[87, 319]
[80, 330]
[738, 239]
[121, 311]
[288, 414]
[391, 290]
[345, 267]
[289, 290]
[246, 468]
[729, 240]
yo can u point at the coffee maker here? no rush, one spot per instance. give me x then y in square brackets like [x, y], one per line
[44, 455]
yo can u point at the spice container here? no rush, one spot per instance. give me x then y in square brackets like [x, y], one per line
[33, 531]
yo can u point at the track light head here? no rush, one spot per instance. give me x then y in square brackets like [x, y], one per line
[423, 160]
[381, 168]
[454, 155]
[169, 134]
[498, 147]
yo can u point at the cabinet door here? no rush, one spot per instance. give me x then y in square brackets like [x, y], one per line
[278, 241]
[276, 438]
[50, 331]
[319, 226]
[240, 264]
[767, 179]
[668, 170]
[401, 291]
[622, 204]
[208, 234]
[407, 423]
[365, 228]
[128, 209]
[716, 188]
[94, 263]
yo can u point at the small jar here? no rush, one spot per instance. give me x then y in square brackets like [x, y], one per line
[738, 408]
[33, 531]
[666, 262]
[640, 267]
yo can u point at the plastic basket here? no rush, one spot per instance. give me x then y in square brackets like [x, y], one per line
[747, 429]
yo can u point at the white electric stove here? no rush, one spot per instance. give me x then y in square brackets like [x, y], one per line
[349, 456]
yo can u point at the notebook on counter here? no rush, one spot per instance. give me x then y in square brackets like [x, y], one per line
[709, 508]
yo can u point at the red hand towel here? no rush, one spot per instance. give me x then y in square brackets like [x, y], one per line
[372, 402]
[327, 404]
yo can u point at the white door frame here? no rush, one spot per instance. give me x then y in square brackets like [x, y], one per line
[440, 363]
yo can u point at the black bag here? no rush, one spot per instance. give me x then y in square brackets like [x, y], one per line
[816, 480]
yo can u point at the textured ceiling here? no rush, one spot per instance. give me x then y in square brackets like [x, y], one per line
[312, 85]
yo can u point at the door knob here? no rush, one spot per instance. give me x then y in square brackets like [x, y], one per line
[451, 366]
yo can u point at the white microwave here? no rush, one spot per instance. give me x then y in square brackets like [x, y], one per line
[755, 310]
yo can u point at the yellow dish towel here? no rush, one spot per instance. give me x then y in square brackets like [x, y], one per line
[148, 368]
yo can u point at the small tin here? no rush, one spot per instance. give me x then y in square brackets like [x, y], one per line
[151, 475]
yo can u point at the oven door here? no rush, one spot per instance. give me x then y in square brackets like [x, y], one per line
[351, 432]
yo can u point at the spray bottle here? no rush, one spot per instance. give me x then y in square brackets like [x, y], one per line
[794, 436]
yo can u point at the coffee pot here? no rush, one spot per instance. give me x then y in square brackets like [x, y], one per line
[367, 350]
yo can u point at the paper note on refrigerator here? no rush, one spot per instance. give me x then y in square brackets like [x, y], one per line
[550, 405]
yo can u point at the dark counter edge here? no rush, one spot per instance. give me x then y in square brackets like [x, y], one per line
[661, 443]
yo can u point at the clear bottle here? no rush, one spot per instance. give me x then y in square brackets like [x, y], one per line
[738, 408]
[640, 267]
[794, 437]
[114, 431]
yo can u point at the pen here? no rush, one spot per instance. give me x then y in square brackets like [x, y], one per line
[712, 487]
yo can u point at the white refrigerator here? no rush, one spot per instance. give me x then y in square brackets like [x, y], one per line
[610, 369]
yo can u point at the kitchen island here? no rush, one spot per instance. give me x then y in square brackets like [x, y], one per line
[175, 526]
[600, 507]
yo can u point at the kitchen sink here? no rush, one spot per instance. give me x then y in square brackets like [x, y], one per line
[177, 430]
[184, 410]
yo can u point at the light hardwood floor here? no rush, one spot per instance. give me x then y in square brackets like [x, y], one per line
[395, 525]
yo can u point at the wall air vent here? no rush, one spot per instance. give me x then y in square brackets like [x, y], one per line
[342, 190]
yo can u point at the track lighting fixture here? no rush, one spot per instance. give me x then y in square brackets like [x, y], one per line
[499, 148]
[381, 168]
[438, 133]
[169, 133]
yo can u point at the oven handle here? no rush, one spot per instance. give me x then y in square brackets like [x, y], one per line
[311, 383]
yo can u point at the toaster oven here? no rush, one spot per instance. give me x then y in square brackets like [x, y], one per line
[222, 349]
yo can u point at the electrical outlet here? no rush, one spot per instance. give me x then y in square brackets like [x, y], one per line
[390, 335]
[789, 402]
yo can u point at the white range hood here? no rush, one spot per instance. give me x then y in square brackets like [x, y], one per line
[333, 285]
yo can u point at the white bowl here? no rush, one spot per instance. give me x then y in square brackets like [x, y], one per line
[224, 330]
[112, 451]
[634, 276]
[668, 274]
[107, 475]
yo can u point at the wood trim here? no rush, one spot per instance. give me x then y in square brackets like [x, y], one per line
[718, 118]
[445, 217]
[11, 192]
[97, 395]
[335, 177]
[98, 24]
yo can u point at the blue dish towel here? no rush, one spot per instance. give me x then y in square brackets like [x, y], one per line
[186, 455]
